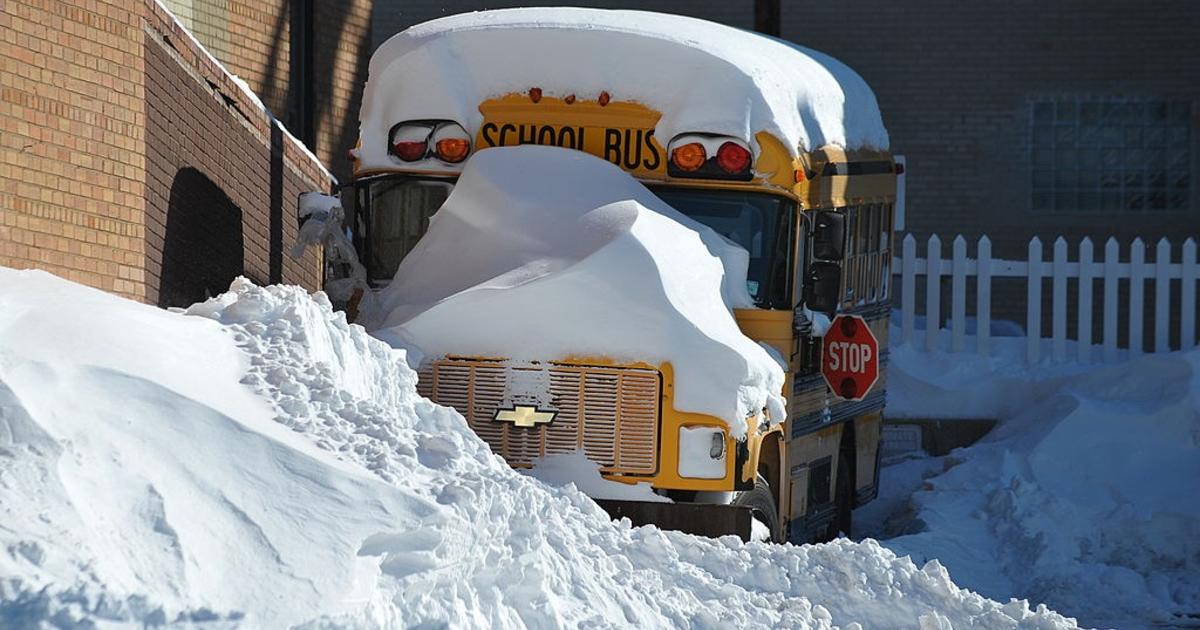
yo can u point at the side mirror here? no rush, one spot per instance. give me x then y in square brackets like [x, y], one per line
[823, 287]
[315, 204]
[829, 236]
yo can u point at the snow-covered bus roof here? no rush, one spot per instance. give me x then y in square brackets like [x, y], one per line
[702, 76]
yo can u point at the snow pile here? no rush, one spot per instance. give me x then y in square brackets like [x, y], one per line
[275, 467]
[702, 76]
[575, 468]
[570, 256]
[967, 385]
[1084, 497]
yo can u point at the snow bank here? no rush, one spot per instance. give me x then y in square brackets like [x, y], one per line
[570, 256]
[1084, 497]
[575, 468]
[966, 385]
[275, 467]
[702, 76]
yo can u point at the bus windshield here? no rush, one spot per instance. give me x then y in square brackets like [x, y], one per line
[390, 215]
[759, 222]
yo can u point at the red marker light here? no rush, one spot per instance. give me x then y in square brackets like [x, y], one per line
[410, 151]
[535, 94]
[733, 158]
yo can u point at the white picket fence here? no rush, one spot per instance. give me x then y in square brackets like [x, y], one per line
[1109, 271]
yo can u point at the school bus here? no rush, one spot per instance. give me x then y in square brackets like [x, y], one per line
[817, 223]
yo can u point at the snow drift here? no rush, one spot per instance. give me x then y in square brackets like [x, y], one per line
[1086, 494]
[702, 76]
[570, 256]
[264, 464]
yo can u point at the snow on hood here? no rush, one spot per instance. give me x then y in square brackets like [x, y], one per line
[542, 253]
[702, 76]
[266, 465]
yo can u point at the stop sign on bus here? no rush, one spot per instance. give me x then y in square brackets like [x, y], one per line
[850, 358]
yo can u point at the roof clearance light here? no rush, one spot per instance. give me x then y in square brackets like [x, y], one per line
[689, 157]
[733, 158]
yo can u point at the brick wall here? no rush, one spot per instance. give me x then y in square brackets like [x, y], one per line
[955, 82]
[125, 146]
[343, 44]
[221, 181]
[70, 149]
[253, 39]
[392, 16]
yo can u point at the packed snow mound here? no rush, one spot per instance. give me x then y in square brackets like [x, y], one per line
[702, 76]
[264, 464]
[1085, 496]
[542, 253]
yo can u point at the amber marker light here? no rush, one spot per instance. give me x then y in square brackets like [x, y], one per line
[452, 150]
[689, 157]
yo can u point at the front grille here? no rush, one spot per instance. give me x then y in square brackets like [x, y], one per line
[611, 414]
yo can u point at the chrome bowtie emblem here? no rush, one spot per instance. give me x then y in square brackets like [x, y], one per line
[524, 416]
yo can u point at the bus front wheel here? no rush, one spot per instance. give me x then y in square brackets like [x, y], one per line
[761, 501]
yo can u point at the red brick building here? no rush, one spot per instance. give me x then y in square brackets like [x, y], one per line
[134, 162]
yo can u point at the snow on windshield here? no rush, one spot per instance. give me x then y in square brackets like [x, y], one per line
[541, 253]
[702, 76]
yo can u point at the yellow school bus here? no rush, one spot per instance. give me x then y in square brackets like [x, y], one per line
[817, 223]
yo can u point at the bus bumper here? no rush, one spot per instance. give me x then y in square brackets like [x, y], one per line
[701, 519]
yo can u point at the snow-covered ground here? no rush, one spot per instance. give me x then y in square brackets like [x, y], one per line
[261, 463]
[1086, 496]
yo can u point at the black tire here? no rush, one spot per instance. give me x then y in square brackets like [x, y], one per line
[761, 501]
[843, 499]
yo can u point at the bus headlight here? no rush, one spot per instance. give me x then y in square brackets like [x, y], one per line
[702, 452]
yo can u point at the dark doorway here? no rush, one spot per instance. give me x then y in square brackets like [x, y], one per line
[202, 250]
